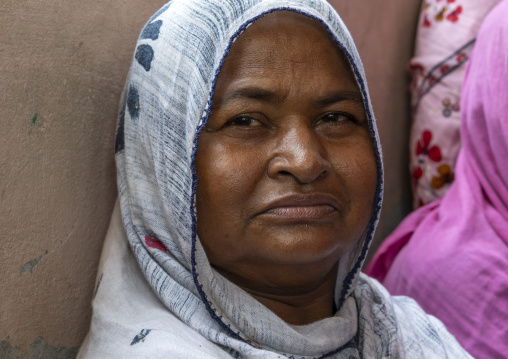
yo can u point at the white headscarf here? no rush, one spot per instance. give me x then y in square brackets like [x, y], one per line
[197, 312]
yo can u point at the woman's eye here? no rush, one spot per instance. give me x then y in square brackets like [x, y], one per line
[244, 121]
[336, 117]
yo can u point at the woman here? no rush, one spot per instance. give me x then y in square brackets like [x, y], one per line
[452, 255]
[250, 184]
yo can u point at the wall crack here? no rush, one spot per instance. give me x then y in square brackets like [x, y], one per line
[31, 264]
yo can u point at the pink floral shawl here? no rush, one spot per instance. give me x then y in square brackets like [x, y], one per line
[452, 255]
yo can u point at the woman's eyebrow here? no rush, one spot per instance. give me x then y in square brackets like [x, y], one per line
[263, 95]
[340, 96]
[251, 93]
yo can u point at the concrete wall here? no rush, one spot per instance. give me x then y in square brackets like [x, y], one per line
[62, 68]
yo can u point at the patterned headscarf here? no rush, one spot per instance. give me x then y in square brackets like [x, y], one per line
[167, 101]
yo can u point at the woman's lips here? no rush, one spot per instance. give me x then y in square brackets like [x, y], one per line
[301, 212]
[301, 207]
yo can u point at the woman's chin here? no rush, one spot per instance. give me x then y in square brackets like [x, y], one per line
[302, 245]
[301, 273]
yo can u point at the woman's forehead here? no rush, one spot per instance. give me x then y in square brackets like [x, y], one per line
[286, 29]
[281, 39]
[284, 51]
[283, 18]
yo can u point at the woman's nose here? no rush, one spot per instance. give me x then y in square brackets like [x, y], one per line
[299, 153]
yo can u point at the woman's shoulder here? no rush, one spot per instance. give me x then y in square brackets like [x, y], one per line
[412, 332]
[127, 342]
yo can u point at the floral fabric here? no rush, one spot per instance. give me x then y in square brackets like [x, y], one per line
[452, 254]
[446, 36]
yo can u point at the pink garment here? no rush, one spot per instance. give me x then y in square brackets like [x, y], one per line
[444, 41]
[452, 255]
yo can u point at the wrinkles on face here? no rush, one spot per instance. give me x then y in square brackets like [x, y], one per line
[286, 169]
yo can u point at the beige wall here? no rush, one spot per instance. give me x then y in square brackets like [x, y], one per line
[62, 67]
[65, 61]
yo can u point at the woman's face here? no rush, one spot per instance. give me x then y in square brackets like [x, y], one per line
[285, 165]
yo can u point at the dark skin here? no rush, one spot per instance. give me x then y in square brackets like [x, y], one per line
[285, 165]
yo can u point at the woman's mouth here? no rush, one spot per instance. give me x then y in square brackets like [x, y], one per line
[301, 212]
[301, 207]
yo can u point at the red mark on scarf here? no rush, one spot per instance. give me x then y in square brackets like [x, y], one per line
[155, 243]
